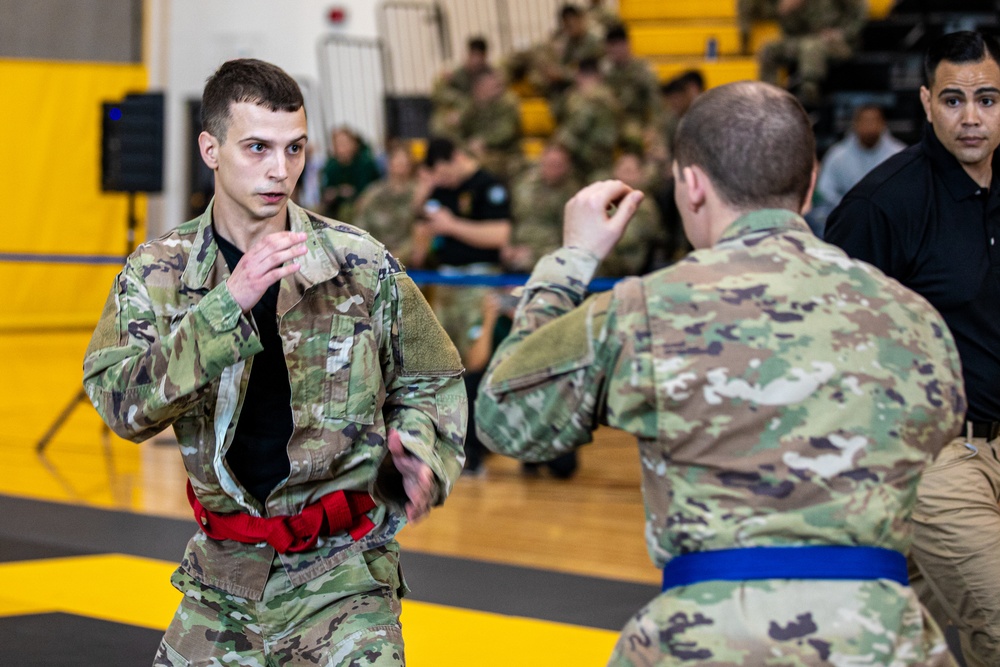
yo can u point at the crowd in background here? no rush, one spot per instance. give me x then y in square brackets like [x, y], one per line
[476, 204]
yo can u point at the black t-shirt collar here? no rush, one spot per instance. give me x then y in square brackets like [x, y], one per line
[950, 170]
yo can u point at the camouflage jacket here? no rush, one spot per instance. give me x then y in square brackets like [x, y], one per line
[781, 393]
[364, 354]
[588, 128]
[814, 16]
[387, 214]
[497, 124]
[538, 212]
[637, 90]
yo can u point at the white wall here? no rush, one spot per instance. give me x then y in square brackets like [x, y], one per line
[186, 40]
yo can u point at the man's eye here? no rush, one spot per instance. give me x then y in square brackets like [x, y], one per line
[256, 148]
[988, 101]
[952, 101]
[295, 148]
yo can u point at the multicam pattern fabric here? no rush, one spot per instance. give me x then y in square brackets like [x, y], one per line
[387, 214]
[347, 617]
[537, 210]
[781, 394]
[364, 354]
[588, 128]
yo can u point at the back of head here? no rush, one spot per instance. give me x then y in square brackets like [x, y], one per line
[569, 11]
[616, 34]
[478, 45]
[959, 47]
[246, 80]
[755, 143]
[439, 149]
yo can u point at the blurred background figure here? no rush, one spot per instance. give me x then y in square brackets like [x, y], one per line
[556, 64]
[813, 33]
[452, 91]
[537, 202]
[589, 124]
[490, 126]
[867, 144]
[644, 237]
[385, 209]
[350, 169]
[601, 18]
[677, 95]
[635, 86]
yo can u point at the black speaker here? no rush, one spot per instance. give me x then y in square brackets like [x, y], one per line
[132, 144]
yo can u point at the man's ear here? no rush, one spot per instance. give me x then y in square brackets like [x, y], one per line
[697, 184]
[209, 148]
[925, 99]
[807, 202]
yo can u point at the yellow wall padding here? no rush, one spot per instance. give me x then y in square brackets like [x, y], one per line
[51, 116]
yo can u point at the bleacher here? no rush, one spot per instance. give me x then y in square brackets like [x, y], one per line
[674, 36]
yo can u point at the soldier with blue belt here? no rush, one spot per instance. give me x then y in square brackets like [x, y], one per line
[785, 398]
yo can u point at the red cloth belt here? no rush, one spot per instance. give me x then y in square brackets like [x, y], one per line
[333, 513]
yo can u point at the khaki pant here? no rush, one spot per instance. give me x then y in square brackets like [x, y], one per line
[349, 615]
[955, 561]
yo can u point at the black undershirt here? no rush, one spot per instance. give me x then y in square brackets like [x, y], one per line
[259, 453]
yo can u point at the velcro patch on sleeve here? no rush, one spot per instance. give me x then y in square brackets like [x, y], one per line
[424, 347]
[557, 346]
[106, 334]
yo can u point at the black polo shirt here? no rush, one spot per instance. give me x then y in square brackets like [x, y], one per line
[481, 197]
[921, 218]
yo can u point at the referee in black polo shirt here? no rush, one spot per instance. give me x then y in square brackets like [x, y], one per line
[930, 217]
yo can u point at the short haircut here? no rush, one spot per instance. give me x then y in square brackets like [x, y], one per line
[755, 143]
[589, 66]
[439, 149]
[959, 47]
[569, 11]
[868, 106]
[478, 43]
[682, 81]
[246, 80]
[616, 33]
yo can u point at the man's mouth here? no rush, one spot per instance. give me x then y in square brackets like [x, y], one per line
[272, 197]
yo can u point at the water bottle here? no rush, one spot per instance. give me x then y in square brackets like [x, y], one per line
[712, 48]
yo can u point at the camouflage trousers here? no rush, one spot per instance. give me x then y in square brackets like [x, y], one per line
[783, 622]
[348, 616]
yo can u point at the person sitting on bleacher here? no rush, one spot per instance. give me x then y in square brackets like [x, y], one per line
[491, 126]
[601, 19]
[645, 236]
[557, 62]
[537, 202]
[452, 91]
[813, 32]
[589, 124]
[634, 84]
[385, 209]
[677, 95]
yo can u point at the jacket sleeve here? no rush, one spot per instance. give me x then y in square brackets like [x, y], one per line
[425, 395]
[862, 229]
[546, 387]
[142, 372]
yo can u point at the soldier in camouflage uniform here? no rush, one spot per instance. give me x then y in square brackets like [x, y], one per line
[644, 236]
[385, 209]
[452, 91]
[555, 63]
[785, 399]
[813, 32]
[537, 203]
[589, 124]
[306, 380]
[635, 87]
[490, 126]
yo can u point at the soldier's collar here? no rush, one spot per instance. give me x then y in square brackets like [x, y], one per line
[316, 265]
[768, 219]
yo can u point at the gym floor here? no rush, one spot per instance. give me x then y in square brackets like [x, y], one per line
[513, 570]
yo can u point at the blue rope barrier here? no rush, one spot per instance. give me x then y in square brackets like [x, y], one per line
[418, 276]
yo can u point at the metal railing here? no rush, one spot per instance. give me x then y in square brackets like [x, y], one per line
[352, 89]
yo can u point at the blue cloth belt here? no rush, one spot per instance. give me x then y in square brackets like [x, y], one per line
[808, 562]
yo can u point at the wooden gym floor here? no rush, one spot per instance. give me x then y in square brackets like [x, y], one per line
[513, 570]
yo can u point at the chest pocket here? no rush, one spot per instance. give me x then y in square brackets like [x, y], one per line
[353, 382]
